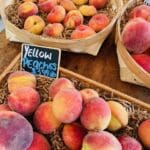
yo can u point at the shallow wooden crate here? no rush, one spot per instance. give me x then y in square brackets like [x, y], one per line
[138, 110]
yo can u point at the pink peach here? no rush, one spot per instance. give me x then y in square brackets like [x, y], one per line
[67, 105]
[44, 120]
[98, 3]
[68, 5]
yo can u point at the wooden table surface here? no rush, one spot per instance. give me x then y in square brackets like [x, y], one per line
[103, 68]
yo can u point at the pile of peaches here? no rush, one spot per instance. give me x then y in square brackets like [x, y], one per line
[136, 35]
[64, 15]
[83, 113]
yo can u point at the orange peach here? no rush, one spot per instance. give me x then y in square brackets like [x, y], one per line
[19, 79]
[98, 22]
[80, 2]
[96, 115]
[67, 105]
[39, 142]
[87, 94]
[88, 10]
[47, 5]
[44, 120]
[119, 116]
[59, 84]
[24, 100]
[4, 107]
[144, 133]
[56, 15]
[73, 19]
[68, 5]
[82, 31]
[73, 135]
[27, 9]
[98, 3]
[129, 143]
[100, 141]
[53, 30]
[34, 24]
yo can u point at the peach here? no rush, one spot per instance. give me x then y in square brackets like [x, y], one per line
[68, 5]
[30, 0]
[87, 94]
[67, 105]
[44, 120]
[82, 31]
[16, 133]
[73, 135]
[47, 5]
[135, 35]
[88, 10]
[119, 116]
[24, 100]
[100, 141]
[59, 84]
[39, 142]
[19, 79]
[143, 60]
[98, 22]
[98, 3]
[53, 30]
[56, 15]
[142, 11]
[144, 133]
[27, 9]
[129, 143]
[80, 2]
[4, 107]
[73, 19]
[34, 24]
[96, 114]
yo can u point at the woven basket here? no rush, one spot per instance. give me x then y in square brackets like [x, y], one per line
[90, 45]
[130, 71]
[138, 110]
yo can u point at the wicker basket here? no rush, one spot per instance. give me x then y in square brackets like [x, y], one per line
[138, 110]
[90, 45]
[130, 71]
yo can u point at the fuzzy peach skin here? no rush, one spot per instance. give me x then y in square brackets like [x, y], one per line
[100, 141]
[82, 31]
[143, 60]
[56, 15]
[19, 79]
[16, 132]
[144, 133]
[44, 119]
[88, 10]
[47, 5]
[119, 116]
[24, 100]
[4, 107]
[87, 94]
[53, 30]
[142, 11]
[27, 9]
[73, 135]
[34, 24]
[73, 19]
[135, 35]
[67, 105]
[80, 2]
[129, 143]
[96, 114]
[39, 142]
[59, 84]
[68, 5]
[98, 3]
[98, 22]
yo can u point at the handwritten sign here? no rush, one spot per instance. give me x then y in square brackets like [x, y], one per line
[40, 60]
